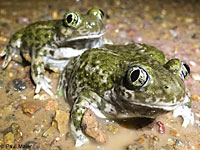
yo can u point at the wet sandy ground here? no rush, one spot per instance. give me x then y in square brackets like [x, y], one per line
[172, 26]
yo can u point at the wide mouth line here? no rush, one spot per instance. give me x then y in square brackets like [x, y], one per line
[155, 105]
[164, 106]
[94, 36]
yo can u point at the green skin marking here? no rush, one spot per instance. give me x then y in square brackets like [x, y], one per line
[50, 44]
[98, 79]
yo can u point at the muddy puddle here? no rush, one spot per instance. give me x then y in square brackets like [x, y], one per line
[28, 119]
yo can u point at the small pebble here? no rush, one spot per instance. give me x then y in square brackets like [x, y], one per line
[23, 97]
[155, 138]
[10, 74]
[51, 105]
[9, 138]
[189, 20]
[174, 132]
[196, 97]
[23, 20]
[5, 25]
[135, 146]
[4, 39]
[31, 107]
[112, 128]
[61, 120]
[173, 33]
[55, 15]
[194, 36]
[19, 85]
[164, 12]
[196, 76]
[37, 96]
[117, 30]
[42, 97]
[179, 143]
[49, 132]
[192, 63]
[16, 130]
[161, 127]
[170, 141]
[139, 39]
[198, 115]
[92, 127]
[140, 140]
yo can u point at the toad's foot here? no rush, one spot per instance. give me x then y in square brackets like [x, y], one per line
[85, 100]
[186, 113]
[43, 83]
[38, 72]
[11, 52]
[7, 59]
[80, 138]
[3, 53]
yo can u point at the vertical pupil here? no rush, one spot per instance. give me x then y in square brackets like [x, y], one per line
[187, 68]
[101, 12]
[69, 18]
[134, 75]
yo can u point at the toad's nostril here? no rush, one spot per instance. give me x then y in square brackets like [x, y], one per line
[166, 87]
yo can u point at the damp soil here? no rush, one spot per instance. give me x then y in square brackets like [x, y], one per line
[171, 26]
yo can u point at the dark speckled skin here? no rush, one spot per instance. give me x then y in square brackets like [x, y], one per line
[113, 61]
[95, 80]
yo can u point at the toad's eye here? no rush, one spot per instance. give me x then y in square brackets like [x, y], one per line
[97, 13]
[72, 19]
[185, 70]
[178, 67]
[136, 77]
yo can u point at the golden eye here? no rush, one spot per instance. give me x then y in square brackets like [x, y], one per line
[136, 77]
[97, 13]
[72, 19]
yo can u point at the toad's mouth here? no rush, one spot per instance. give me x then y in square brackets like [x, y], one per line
[163, 105]
[92, 36]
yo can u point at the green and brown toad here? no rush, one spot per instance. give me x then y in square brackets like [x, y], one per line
[50, 44]
[123, 81]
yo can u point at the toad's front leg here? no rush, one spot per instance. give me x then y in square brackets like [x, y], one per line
[38, 72]
[79, 108]
[185, 111]
[86, 100]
